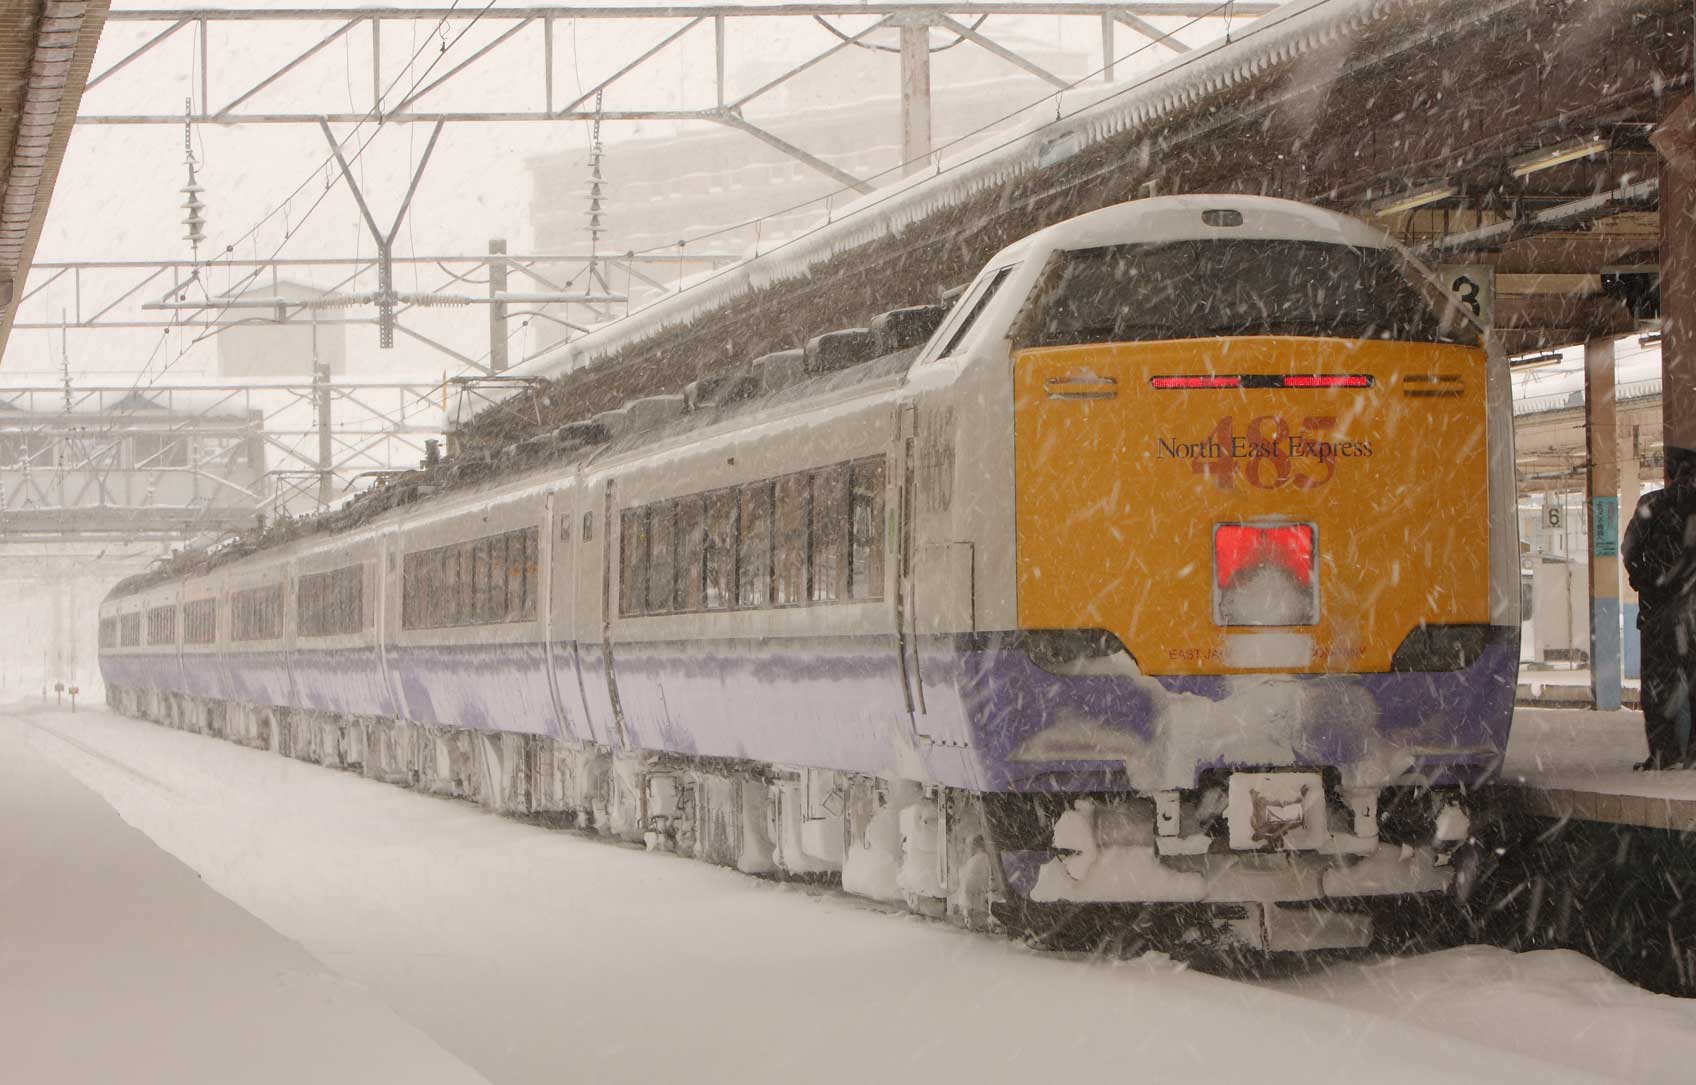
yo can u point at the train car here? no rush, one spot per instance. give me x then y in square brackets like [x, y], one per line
[1172, 570]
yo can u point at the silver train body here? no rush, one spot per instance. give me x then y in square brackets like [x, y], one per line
[788, 623]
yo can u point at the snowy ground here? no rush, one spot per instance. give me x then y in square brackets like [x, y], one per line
[118, 964]
[545, 956]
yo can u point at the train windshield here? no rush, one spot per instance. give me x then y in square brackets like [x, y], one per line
[1204, 289]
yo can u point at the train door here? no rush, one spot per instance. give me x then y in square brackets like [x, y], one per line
[290, 629]
[564, 622]
[386, 619]
[905, 624]
[609, 560]
[935, 585]
[556, 605]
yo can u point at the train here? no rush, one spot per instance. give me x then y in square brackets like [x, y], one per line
[1169, 570]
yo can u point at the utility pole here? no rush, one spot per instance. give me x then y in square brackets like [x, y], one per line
[321, 401]
[497, 309]
[915, 97]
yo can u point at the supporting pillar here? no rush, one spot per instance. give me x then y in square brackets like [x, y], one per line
[1630, 485]
[915, 98]
[1676, 141]
[497, 309]
[1602, 488]
[1107, 24]
[326, 464]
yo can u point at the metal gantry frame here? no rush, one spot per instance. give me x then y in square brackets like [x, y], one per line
[159, 293]
[186, 299]
[534, 25]
[186, 459]
[312, 454]
[538, 22]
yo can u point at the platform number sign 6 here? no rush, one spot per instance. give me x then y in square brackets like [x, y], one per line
[1465, 287]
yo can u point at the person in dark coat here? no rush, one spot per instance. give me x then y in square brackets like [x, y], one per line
[1660, 561]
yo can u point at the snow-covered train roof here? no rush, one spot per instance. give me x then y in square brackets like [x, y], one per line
[1179, 218]
[1097, 113]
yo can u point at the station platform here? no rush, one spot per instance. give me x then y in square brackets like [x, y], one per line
[1577, 763]
[120, 964]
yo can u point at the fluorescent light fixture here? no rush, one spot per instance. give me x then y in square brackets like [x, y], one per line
[1413, 197]
[1570, 151]
[1536, 361]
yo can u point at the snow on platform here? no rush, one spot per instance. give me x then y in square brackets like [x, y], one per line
[1568, 688]
[1577, 763]
[548, 956]
[117, 963]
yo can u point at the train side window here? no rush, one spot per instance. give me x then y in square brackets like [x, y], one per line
[789, 549]
[433, 568]
[588, 526]
[865, 565]
[257, 613]
[162, 625]
[829, 579]
[438, 607]
[500, 582]
[200, 621]
[459, 583]
[972, 305]
[753, 546]
[513, 576]
[331, 603]
[718, 558]
[480, 569]
[632, 560]
[662, 558]
[691, 543]
[352, 597]
[532, 572]
[457, 589]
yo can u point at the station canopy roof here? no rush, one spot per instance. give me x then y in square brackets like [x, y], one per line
[46, 47]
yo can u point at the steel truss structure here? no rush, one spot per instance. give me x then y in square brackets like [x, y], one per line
[186, 460]
[157, 293]
[243, 99]
[173, 293]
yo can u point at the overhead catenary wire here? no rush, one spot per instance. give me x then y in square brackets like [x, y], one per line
[935, 153]
[283, 208]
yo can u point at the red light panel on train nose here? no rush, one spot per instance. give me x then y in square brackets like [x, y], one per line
[1349, 380]
[1264, 575]
[1264, 380]
[1196, 382]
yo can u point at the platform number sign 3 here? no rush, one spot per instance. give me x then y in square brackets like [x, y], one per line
[1465, 288]
[1473, 287]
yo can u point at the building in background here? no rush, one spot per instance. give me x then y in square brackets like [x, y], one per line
[265, 349]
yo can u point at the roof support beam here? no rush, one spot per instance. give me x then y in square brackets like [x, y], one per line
[1151, 32]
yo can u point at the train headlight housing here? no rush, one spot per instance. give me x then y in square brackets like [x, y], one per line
[1265, 574]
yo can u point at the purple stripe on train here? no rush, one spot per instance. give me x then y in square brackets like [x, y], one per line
[982, 718]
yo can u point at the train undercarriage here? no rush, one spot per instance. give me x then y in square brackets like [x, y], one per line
[1091, 872]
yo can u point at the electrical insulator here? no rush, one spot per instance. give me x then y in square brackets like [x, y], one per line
[194, 222]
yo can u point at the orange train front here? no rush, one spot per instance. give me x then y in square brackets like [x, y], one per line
[1259, 560]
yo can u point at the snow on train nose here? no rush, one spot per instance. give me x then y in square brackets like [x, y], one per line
[1265, 574]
